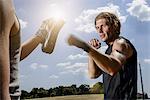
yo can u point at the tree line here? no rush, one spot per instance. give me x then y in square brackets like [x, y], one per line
[62, 91]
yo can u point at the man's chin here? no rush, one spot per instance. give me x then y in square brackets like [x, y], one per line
[104, 40]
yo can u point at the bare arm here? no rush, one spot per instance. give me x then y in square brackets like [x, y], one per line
[38, 38]
[6, 23]
[28, 46]
[93, 70]
[112, 63]
[104, 62]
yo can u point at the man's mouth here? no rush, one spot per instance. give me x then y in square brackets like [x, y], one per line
[102, 35]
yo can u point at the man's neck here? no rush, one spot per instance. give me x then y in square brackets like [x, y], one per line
[110, 42]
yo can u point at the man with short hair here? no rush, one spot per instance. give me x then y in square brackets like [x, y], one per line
[119, 63]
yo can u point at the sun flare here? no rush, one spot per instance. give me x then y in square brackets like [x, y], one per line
[57, 13]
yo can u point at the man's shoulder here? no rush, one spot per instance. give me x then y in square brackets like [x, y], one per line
[123, 46]
[15, 27]
[123, 41]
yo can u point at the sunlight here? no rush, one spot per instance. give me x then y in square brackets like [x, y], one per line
[57, 13]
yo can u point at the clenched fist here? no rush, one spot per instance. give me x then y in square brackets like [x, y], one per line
[95, 43]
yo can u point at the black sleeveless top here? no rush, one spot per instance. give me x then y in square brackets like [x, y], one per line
[123, 85]
[14, 53]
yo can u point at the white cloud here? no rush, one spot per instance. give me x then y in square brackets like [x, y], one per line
[139, 9]
[63, 72]
[22, 76]
[43, 66]
[76, 65]
[34, 65]
[147, 61]
[23, 23]
[81, 70]
[53, 77]
[63, 64]
[37, 66]
[77, 56]
[86, 20]
[75, 69]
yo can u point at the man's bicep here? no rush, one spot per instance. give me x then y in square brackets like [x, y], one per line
[121, 51]
[118, 56]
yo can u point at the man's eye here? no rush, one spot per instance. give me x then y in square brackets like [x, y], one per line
[103, 25]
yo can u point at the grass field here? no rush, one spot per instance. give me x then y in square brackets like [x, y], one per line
[74, 97]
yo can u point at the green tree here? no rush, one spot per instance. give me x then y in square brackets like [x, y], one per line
[34, 93]
[24, 94]
[68, 91]
[42, 93]
[74, 88]
[83, 89]
[97, 88]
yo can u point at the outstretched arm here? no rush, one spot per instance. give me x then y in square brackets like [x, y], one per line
[42, 36]
[110, 64]
[93, 70]
[28, 46]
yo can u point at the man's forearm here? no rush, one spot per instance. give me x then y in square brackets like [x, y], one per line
[28, 46]
[74, 41]
[105, 62]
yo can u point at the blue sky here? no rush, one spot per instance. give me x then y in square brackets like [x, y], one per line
[68, 65]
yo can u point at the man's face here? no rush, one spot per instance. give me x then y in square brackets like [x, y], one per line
[103, 30]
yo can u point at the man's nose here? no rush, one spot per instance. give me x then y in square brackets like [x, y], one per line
[100, 30]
